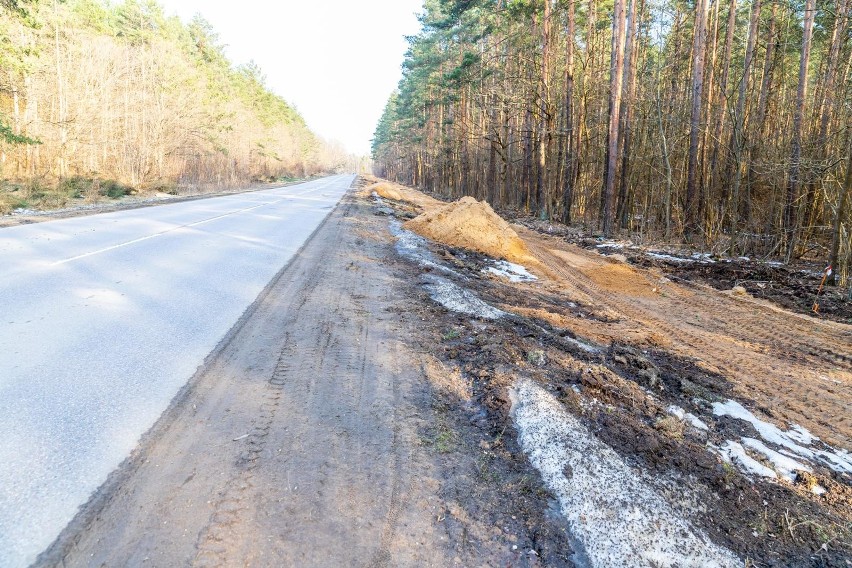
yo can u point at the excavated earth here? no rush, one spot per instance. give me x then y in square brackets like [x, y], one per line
[366, 413]
[660, 343]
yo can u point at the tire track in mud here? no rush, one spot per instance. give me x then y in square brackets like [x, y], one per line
[212, 544]
[212, 547]
[360, 366]
[790, 337]
[382, 556]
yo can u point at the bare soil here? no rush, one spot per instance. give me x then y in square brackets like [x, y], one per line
[665, 342]
[349, 419]
[795, 287]
[471, 224]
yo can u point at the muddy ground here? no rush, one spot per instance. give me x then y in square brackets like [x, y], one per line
[795, 287]
[353, 420]
[660, 344]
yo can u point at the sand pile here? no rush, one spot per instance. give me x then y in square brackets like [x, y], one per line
[468, 223]
[382, 189]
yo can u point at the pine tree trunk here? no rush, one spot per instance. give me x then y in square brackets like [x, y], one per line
[626, 114]
[738, 134]
[794, 177]
[568, 181]
[836, 226]
[616, 74]
[721, 108]
[693, 195]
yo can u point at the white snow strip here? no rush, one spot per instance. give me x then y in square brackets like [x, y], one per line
[669, 257]
[767, 431]
[801, 435]
[784, 465]
[703, 257]
[688, 417]
[837, 459]
[613, 513]
[610, 245]
[733, 452]
[513, 272]
[414, 248]
[696, 422]
[457, 299]
[584, 346]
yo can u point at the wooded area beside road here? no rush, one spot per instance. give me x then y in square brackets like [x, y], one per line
[105, 99]
[722, 123]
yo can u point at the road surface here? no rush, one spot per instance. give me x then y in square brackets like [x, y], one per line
[104, 319]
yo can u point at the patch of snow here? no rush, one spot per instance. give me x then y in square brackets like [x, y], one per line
[784, 465]
[514, 272]
[818, 490]
[689, 417]
[582, 345]
[610, 245]
[733, 452]
[413, 247]
[837, 459]
[800, 434]
[767, 431]
[670, 258]
[457, 299]
[704, 257]
[613, 512]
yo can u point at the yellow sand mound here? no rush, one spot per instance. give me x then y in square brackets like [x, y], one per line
[468, 223]
[384, 190]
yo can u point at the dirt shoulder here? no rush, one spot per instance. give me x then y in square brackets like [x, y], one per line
[324, 432]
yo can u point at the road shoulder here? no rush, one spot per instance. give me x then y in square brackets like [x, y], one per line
[322, 432]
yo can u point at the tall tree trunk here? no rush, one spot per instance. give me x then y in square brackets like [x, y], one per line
[738, 133]
[60, 95]
[825, 108]
[721, 108]
[693, 195]
[616, 73]
[836, 227]
[794, 178]
[631, 51]
[568, 181]
[545, 123]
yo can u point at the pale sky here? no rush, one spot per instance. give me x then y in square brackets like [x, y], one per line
[337, 61]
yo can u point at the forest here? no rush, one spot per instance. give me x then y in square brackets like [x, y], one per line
[723, 124]
[107, 98]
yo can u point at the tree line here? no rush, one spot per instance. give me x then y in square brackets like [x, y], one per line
[725, 123]
[119, 91]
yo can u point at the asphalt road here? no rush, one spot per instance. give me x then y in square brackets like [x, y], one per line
[104, 318]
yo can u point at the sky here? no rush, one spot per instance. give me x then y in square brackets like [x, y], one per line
[337, 61]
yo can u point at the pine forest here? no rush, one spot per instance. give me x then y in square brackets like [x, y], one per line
[724, 124]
